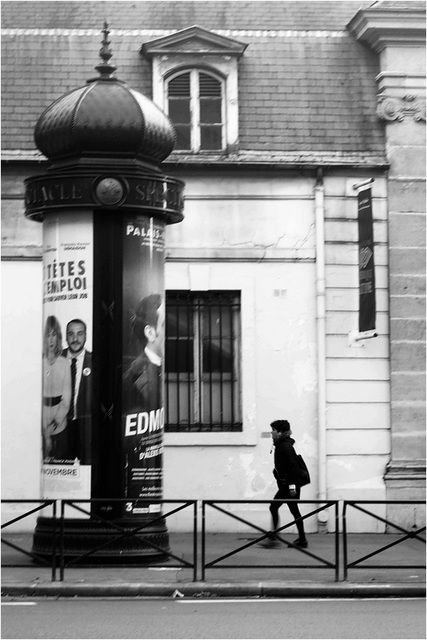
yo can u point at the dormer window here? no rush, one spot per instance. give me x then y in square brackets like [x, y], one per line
[195, 106]
[195, 82]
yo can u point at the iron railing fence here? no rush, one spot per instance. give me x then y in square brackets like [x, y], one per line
[264, 535]
[129, 533]
[41, 504]
[408, 534]
[58, 560]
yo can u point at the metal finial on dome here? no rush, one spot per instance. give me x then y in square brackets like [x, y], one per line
[105, 68]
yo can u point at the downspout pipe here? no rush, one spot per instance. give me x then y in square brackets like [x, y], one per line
[319, 197]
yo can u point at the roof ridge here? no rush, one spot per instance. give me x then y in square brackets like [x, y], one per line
[279, 33]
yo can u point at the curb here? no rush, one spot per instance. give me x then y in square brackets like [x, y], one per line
[214, 590]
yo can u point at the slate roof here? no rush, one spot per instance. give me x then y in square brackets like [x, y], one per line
[307, 89]
[179, 14]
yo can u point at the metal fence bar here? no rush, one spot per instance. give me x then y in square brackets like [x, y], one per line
[195, 534]
[345, 549]
[122, 533]
[203, 556]
[61, 543]
[337, 543]
[42, 504]
[409, 535]
[59, 532]
[266, 533]
[213, 563]
[54, 544]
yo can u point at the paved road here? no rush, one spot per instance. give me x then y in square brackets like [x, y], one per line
[213, 618]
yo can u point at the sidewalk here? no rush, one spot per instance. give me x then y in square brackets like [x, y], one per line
[258, 573]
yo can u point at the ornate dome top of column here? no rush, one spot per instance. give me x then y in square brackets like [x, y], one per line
[104, 119]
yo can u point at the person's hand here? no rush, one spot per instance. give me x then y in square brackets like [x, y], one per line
[292, 490]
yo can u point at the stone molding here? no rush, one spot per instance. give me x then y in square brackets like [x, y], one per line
[391, 108]
[389, 27]
[401, 470]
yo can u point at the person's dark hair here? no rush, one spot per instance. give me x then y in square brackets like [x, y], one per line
[281, 426]
[79, 321]
[52, 324]
[146, 313]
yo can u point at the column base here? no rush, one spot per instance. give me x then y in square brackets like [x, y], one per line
[406, 480]
[83, 535]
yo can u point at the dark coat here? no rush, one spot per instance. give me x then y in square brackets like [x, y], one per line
[142, 386]
[84, 410]
[285, 461]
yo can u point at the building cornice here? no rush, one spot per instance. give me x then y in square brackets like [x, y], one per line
[382, 28]
[243, 159]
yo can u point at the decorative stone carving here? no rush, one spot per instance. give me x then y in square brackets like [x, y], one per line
[420, 110]
[391, 108]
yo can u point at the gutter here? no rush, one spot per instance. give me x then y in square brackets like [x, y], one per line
[321, 343]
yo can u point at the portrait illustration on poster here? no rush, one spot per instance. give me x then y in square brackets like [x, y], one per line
[143, 344]
[67, 358]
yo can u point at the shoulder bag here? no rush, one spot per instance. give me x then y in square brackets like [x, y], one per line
[303, 472]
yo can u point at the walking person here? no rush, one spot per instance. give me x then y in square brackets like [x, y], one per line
[287, 474]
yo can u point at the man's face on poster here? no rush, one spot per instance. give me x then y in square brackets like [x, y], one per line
[76, 337]
[156, 335]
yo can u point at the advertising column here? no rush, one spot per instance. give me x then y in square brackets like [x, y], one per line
[104, 203]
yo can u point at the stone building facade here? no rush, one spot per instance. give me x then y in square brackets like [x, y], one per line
[315, 97]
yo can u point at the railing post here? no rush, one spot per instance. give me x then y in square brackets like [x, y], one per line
[54, 542]
[195, 534]
[337, 542]
[61, 544]
[203, 542]
[344, 532]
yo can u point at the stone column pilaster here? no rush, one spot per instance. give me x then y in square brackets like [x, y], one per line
[398, 36]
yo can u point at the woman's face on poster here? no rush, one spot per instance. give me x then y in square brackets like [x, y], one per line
[52, 340]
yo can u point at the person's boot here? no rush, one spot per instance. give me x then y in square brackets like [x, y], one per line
[271, 542]
[300, 542]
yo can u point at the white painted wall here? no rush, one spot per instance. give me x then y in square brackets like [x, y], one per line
[21, 351]
[254, 234]
[358, 376]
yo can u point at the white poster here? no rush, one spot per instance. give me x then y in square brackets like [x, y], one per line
[67, 355]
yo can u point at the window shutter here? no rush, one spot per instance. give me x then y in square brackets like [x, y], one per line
[179, 86]
[209, 86]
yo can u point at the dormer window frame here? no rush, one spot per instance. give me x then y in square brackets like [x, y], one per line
[195, 104]
[204, 51]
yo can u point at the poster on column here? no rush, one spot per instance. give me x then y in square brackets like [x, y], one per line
[67, 355]
[143, 346]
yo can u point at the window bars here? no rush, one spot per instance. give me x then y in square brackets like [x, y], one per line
[202, 370]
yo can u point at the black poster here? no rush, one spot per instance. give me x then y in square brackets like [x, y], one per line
[143, 344]
[367, 305]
